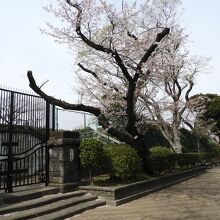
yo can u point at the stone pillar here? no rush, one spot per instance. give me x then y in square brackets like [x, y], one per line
[64, 163]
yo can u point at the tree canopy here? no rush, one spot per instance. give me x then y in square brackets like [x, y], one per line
[134, 66]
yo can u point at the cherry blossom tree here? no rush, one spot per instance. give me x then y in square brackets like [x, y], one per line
[133, 65]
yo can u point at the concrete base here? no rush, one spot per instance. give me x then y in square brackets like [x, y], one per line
[122, 194]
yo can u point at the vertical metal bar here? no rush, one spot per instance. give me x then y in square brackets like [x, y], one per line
[47, 137]
[35, 167]
[57, 118]
[5, 120]
[41, 164]
[5, 177]
[53, 117]
[1, 123]
[31, 140]
[84, 120]
[31, 165]
[20, 174]
[15, 174]
[28, 174]
[40, 108]
[10, 158]
[24, 174]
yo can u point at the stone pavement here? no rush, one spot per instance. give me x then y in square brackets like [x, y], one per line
[194, 199]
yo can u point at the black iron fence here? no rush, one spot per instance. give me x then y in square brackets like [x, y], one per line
[25, 121]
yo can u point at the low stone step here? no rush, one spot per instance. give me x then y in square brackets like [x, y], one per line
[71, 211]
[49, 208]
[48, 199]
[25, 195]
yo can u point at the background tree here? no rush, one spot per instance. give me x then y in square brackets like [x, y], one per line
[133, 65]
[206, 110]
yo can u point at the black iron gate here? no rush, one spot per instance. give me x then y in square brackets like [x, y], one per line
[24, 129]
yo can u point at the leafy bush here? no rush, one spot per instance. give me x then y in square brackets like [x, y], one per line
[92, 154]
[160, 151]
[123, 160]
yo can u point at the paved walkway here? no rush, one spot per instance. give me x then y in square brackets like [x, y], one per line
[194, 199]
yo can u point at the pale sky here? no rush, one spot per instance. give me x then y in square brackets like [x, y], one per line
[23, 47]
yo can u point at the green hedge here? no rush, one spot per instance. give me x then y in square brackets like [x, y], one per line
[123, 161]
[167, 163]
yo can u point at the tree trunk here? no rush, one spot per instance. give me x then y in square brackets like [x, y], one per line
[90, 176]
[142, 150]
[173, 139]
[176, 142]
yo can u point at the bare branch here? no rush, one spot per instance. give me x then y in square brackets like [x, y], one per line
[89, 71]
[43, 84]
[97, 77]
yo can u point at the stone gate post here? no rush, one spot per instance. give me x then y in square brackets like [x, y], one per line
[64, 163]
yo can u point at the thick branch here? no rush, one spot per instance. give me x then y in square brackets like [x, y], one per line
[58, 102]
[168, 88]
[180, 89]
[132, 35]
[122, 66]
[188, 124]
[122, 135]
[191, 84]
[103, 121]
[152, 48]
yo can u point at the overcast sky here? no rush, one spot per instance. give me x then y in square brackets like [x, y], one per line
[23, 47]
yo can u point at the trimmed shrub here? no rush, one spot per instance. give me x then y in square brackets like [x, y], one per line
[160, 151]
[157, 164]
[171, 162]
[123, 160]
[185, 161]
[92, 154]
